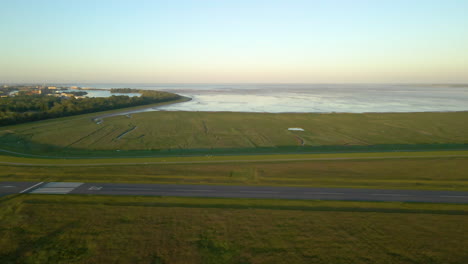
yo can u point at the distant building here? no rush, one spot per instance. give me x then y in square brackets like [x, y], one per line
[38, 91]
[52, 88]
[67, 94]
[74, 87]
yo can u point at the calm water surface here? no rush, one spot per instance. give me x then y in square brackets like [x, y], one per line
[278, 98]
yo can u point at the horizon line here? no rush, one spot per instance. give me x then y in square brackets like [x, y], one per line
[222, 83]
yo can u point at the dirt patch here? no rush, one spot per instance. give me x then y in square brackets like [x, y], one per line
[299, 140]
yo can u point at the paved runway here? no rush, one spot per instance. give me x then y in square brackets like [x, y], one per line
[342, 194]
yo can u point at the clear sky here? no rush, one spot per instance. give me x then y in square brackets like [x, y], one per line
[186, 41]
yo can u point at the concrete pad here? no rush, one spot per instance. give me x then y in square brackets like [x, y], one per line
[62, 184]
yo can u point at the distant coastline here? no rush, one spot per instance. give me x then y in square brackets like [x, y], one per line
[303, 98]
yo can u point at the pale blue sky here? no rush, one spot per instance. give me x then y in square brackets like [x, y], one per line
[292, 41]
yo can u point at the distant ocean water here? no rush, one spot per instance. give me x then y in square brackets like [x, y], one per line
[310, 98]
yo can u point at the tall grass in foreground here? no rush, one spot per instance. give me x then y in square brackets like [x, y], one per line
[81, 229]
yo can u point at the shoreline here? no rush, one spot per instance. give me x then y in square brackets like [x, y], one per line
[144, 110]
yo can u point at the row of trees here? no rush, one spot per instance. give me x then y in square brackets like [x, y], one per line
[124, 90]
[6, 90]
[26, 108]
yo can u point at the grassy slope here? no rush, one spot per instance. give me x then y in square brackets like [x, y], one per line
[192, 130]
[450, 173]
[230, 158]
[80, 229]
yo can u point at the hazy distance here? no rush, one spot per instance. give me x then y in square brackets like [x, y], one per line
[234, 41]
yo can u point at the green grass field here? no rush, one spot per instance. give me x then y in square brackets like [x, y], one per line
[442, 173]
[186, 131]
[223, 130]
[96, 229]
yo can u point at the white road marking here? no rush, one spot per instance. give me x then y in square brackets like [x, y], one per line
[389, 194]
[257, 192]
[181, 190]
[8, 186]
[453, 196]
[52, 191]
[49, 190]
[62, 184]
[329, 193]
[27, 189]
[95, 188]
[132, 189]
[58, 187]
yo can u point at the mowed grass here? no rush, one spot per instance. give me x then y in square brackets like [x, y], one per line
[206, 130]
[443, 173]
[82, 229]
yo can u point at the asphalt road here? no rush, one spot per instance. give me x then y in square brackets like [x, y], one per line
[15, 187]
[342, 194]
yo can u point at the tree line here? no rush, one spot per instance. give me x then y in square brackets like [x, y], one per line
[124, 90]
[26, 108]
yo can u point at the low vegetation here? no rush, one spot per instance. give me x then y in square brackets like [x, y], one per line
[82, 229]
[449, 173]
[182, 131]
[125, 90]
[25, 108]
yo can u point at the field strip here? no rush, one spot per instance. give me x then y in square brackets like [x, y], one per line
[86, 136]
[225, 161]
[126, 132]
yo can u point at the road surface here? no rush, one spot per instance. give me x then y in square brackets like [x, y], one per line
[341, 194]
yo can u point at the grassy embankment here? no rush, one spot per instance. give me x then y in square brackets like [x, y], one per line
[165, 133]
[81, 229]
[181, 131]
[442, 173]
